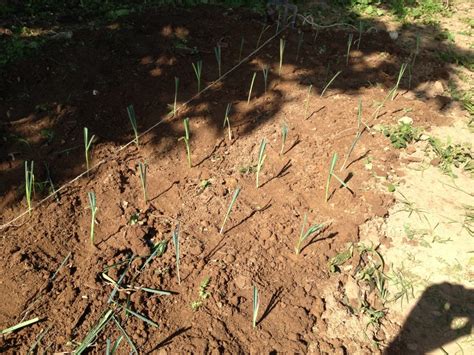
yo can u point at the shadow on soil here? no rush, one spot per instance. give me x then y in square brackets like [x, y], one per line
[444, 313]
[89, 79]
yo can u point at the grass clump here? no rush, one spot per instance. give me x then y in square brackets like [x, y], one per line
[453, 155]
[402, 134]
[306, 234]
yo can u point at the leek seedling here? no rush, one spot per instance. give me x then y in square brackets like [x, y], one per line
[185, 138]
[241, 48]
[305, 234]
[330, 82]
[19, 326]
[133, 120]
[261, 159]
[284, 134]
[175, 103]
[198, 71]
[176, 249]
[93, 207]
[142, 170]
[251, 87]
[264, 28]
[265, 70]
[360, 35]
[306, 103]
[282, 50]
[357, 136]
[394, 90]
[412, 64]
[227, 121]
[349, 44]
[300, 42]
[29, 183]
[255, 306]
[217, 52]
[87, 146]
[331, 175]
[234, 198]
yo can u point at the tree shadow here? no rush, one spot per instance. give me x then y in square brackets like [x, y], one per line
[444, 313]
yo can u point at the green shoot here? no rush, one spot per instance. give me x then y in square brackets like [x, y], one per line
[217, 52]
[198, 71]
[284, 134]
[241, 48]
[176, 249]
[251, 87]
[203, 294]
[261, 159]
[142, 170]
[255, 306]
[331, 175]
[264, 28]
[87, 146]
[305, 234]
[300, 42]
[282, 50]
[360, 34]
[93, 333]
[227, 121]
[141, 317]
[19, 326]
[175, 103]
[93, 207]
[357, 136]
[306, 102]
[394, 90]
[185, 138]
[29, 183]
[330, 82]
[234, 198]
[133, 120]
[349, 44]
[126, 336]
[265, 70]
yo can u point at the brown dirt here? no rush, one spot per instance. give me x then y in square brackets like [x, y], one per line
[134, 62]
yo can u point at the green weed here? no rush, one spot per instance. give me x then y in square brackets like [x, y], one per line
[402, 134]
[203, 294]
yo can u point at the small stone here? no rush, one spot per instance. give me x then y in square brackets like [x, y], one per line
[405, 120]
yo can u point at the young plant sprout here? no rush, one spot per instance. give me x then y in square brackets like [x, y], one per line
[175, 103]
[185, 138]
[133, 120]
[264, 28]
[142, 170]
[93, 207]
[261, 159]
[357, 136]
[227, 121]
[241, 48]
[412, 63]
[251, 87]
[331, 175]
[198, 71]
[265, 70]
[176, 249]
[255, 306]
[87, 146]
[282, 50]
[217, 52]
[234, 198]
[29, 183]
[306, 102]
[360, 34]
[284, 134]
[300, 42]
[330, 82]
[306, 234]
[349, 44]
[394, 90]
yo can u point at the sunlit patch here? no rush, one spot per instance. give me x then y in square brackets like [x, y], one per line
[181, 32]
[156, 72]
[459, 322]
[113, 26]
[167, 31]
[146, 60]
